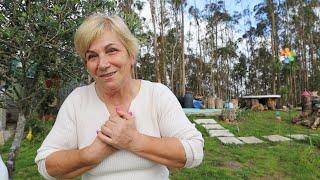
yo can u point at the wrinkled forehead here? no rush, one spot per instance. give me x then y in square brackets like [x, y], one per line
[104, 38]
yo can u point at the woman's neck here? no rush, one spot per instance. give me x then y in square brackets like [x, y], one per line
[121, 97]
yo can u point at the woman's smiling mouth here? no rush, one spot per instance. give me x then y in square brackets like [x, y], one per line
[108, 74]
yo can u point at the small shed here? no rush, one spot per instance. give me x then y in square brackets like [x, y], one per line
[260, 102]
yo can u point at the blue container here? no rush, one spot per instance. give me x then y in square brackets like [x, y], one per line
[197, 104]
[228, 105]
[188, 100]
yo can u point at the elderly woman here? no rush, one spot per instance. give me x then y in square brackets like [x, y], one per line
[117, 127]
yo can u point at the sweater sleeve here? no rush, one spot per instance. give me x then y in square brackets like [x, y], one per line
[174, 123]
[62, 135]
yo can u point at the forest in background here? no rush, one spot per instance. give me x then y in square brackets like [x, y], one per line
[222, 65]
[39, 66]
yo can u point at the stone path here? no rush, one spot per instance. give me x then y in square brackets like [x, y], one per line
[220, 133]
[276, 138]
[250, 140]
[297, 136]
[226, 137]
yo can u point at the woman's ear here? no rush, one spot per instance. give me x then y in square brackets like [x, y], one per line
[132, 60]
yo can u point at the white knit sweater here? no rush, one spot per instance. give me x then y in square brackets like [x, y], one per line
[157, 113]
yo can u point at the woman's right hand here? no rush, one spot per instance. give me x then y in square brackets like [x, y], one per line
[74, 162]
[97, 151]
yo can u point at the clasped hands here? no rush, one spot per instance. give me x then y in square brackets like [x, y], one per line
[120, 131]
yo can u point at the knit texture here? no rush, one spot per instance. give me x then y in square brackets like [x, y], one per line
[157, 113]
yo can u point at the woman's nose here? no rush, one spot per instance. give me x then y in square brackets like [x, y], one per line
[104, 62]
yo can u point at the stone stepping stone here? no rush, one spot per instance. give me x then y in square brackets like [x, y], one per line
[230, 140]
[298, 136]
[250, 140]
[276, 138]
[220, 133]
[213, 126]
[205, 121]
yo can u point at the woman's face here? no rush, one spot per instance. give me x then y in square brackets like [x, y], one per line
[108, 61]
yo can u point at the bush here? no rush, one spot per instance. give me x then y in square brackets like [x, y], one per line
[39, 127]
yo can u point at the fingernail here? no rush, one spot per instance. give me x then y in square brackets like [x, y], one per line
[117, 109]
[97, 131]
[130, 113]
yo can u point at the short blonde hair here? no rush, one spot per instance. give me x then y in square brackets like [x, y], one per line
[95, 25]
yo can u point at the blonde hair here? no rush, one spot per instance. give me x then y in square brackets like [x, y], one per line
[95, 25]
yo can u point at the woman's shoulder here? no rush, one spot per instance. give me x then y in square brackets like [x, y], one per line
[84, 88]
[157, 88]
[154, 85]
[81, 91]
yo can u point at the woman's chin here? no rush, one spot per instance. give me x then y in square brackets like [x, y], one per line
[109, 85]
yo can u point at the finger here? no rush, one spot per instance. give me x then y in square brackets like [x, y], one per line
[106, 131]
[109, 123]
[112, 113]
[116, 119]
[125, 115]
[104, 138]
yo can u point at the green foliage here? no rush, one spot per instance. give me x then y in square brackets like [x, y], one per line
[284, 160]
[25, 168]
[37, 43]
[39, 127]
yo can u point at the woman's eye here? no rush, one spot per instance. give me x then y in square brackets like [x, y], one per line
[91, 57]
[112, 50]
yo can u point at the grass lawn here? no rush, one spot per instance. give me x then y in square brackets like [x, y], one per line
[281, 160]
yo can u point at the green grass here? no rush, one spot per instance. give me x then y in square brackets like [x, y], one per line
[283, 160]
[264, 123]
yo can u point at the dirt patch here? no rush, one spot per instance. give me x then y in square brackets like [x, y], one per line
[232, 164]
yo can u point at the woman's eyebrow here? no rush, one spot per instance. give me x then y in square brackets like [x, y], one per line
[88, 51]
[108, 45]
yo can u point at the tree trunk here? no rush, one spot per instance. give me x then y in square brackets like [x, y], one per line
[155, 42]
[16, 144]
[173, 51]
[162, 57]
[200, 68]
[183, 64]
[273, 43]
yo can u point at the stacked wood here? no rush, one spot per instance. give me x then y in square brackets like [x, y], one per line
[256, 106]
[235, 103]
[228, 115]
[271, 104]
[210, 103]
[219, 103]
[310, 115]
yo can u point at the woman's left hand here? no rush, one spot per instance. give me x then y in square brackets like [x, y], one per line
[120, 131]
